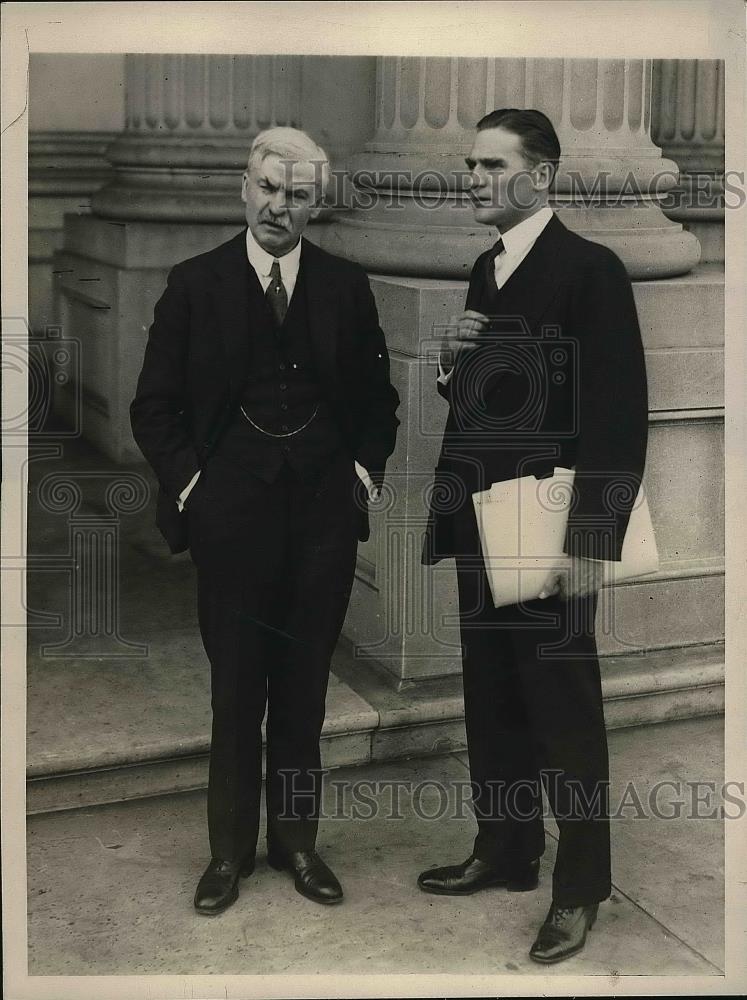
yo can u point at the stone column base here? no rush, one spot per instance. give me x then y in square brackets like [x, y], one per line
[649, 244]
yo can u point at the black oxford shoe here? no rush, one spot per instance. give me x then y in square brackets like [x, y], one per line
[563, 933]
[219, 886]
[473, 875]
[313, 878]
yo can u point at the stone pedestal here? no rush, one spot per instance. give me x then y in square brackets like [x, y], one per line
[688, 123]
[65, 169]
[404, 615]
[108, 278]
[413, 215]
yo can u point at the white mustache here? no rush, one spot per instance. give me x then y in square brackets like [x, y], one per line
[273, 222]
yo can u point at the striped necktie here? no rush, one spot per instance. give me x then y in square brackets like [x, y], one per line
[276, 295]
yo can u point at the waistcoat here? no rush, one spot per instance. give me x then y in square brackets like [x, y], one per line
[282, 395]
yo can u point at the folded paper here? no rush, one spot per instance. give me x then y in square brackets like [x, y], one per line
[522, 525]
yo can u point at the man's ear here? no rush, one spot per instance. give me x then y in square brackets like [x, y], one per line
[543, 173]
[316, 210]
[244, 182]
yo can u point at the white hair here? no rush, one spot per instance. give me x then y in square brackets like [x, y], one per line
[291, 144]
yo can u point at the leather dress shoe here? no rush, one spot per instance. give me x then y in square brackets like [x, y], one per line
[218, 888]
[474, 874]
[313, 878]
[563, 933]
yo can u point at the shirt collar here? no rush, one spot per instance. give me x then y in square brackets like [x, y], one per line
[261, 260]
[522, 235]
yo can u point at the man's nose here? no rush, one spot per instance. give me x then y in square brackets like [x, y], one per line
[477, 179]
[278, 202]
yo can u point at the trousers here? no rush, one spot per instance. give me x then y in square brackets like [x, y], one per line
[534, 718]
[275, 564]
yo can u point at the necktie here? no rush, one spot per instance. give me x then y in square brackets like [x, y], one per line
[495, 252]
[276, 295]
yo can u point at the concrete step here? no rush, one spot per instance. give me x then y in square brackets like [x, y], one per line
[132, 914]
[143, 727]
[681, 605]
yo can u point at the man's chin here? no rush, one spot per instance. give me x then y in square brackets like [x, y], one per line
[486, 215]
[273, 238]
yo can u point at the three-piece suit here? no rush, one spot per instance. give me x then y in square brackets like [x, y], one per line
[274, 415]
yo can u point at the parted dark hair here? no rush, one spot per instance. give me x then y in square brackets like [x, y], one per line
[539, 140]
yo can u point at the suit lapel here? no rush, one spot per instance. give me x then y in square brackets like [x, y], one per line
[532, 285]
[232, 307]
[323, 311]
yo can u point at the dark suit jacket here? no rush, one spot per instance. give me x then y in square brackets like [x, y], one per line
[198, 355]
[561, 380]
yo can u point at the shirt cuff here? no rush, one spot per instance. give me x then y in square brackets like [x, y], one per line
[443, 377]
[365, 478]
[187, 490]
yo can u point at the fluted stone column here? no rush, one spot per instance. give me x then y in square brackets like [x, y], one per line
[688, 113]
[688, 123]
[190, 122]
[414, 216]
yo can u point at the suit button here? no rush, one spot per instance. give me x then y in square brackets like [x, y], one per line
[283, 427]
[283, 406]
[283, 385]
[281, 367]
[286, 447]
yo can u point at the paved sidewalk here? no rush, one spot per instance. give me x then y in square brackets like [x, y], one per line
[110, 888]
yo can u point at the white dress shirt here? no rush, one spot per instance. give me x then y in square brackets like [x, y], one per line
[517, 243]
[262, 262]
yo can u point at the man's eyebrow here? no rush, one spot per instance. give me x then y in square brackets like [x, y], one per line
[486, 161]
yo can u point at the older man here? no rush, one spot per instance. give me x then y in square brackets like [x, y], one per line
[266, 410]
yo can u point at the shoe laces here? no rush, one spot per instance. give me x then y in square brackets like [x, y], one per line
[560, 913]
